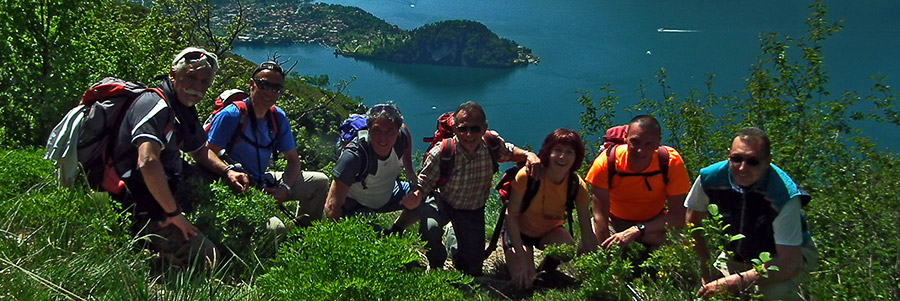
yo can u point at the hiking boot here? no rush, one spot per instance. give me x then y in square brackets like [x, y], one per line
[549, 264]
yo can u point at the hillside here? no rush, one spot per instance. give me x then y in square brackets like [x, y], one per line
[451, 43]
[60, 243]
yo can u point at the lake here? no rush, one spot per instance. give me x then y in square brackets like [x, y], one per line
[585, 45]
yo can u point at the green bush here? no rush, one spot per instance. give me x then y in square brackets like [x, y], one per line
[852, 216]
[604, 275]
[236, 223]
[22, 170]
[347, 261]
[670, 272]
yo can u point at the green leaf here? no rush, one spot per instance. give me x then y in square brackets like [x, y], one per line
[765, 256]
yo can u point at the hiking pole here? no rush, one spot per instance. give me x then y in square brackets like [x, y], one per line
[633, 293]
[228, 160]
[291, 216]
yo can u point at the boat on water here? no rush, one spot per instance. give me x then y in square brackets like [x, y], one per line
[663, 29]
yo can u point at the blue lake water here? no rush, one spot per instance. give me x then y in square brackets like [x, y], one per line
[587, 44]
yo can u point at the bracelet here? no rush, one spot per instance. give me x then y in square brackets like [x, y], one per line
[286, 187]
[229, 167]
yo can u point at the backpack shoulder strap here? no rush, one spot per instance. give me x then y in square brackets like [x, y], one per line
[274, 127]
[531, 189]
[448, 150]
[663, 154]
[571, 194]
[493, 144]
[403, 143]
[610, 164]
[241, 126]
[272, 116]
[368, 165]
[160, 93]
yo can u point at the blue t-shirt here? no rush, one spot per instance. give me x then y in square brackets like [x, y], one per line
[253, 160]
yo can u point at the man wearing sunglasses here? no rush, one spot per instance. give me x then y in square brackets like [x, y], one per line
[366, 173]
[256, 133]
[758, 200]
[154, 132]
[461, 199]
[641, 195]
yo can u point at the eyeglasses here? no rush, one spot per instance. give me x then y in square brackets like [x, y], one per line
[270, 65]
[752, 161]
[474, 129]
[265, 85]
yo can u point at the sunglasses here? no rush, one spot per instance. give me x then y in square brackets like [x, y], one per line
[196, 56]
[270, 65]
[265, 85]
[386, 108]
[752, 161]
[475, 129]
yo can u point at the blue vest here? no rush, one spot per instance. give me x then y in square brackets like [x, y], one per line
[751, 211]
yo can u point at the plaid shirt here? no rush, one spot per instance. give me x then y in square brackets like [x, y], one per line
[470, 182]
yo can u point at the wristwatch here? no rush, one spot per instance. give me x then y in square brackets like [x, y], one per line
[641, 228]
[235, 167]
[173, 213]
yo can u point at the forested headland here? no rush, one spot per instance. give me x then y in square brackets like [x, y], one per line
[354, 32]
[60, 243]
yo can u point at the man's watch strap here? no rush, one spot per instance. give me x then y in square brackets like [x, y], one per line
[234, 167]
[177, 212]
[641, 228]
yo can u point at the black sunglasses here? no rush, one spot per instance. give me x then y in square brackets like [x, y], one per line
[475, 129]
[265, 85]
[270, 65]
[192, 57]
[752, 161]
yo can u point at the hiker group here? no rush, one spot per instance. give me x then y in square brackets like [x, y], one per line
[129, 139]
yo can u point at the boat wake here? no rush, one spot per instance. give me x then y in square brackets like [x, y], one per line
[670, 30]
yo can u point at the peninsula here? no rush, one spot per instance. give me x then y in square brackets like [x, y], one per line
[353, 32]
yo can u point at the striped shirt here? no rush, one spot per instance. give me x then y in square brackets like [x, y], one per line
[169, 123]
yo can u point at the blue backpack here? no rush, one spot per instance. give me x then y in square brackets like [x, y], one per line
[353, 133]
[349, 129]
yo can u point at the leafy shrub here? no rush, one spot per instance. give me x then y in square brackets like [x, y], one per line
[236, 222]
[22, 170]
[670, 272]
[605, 275]
[347, 261]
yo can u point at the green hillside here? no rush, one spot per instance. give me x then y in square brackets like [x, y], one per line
[60, 243]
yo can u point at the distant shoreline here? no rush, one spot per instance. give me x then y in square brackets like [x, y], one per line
[353, 32]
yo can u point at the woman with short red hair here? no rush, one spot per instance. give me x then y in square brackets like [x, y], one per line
[540, 224]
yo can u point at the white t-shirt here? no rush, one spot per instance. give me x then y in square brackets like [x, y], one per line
[380, 186]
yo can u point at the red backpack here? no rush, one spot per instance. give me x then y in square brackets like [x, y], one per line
[443, 135]
[615, 136]
[236, 97]
[103, 106]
